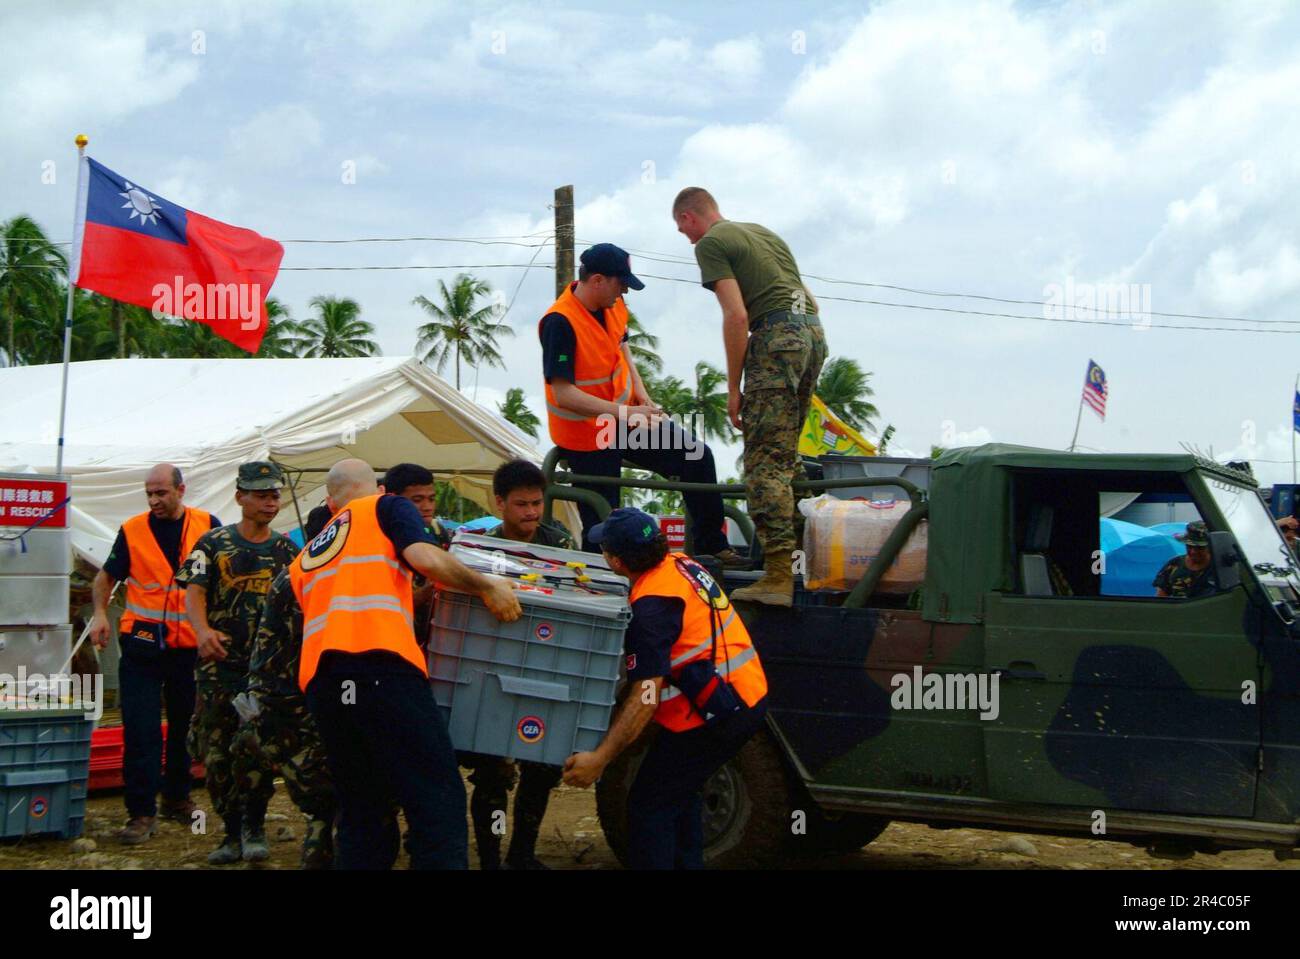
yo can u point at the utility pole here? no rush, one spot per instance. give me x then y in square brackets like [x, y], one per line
[563, 238]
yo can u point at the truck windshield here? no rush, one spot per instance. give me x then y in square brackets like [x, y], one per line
[1257, 535]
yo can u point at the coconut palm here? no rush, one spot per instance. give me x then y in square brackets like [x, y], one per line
[337, 329]
[672, 395]
[125, 330]
[460, 327]
[283, 337]
[515, 410]
[196, 341]
[39, 336]
[843, 386]
[709, 404]
[644, 347]
[30, 267]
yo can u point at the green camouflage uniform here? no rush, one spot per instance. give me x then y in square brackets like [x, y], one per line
[494, 776]
[283, 734]
[782, 363]
[236, 576]
[1182, 583]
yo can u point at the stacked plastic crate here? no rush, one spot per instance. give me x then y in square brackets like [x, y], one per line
[44, 740]
[542, 687]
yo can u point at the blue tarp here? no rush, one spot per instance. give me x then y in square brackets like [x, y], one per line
[1134, 554]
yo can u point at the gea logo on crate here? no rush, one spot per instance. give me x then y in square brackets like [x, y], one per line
[39, 807]
[544, 631]
[531, 729]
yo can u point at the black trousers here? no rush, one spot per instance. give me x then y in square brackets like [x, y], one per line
[145, 684]
[386, 744]
[665, 806]
[705, 508]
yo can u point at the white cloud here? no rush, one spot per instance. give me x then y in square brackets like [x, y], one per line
[280, 136]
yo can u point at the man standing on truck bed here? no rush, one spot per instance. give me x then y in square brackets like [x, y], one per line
[772, 334]
[157, 644]
[683, 634]
[1190, 576]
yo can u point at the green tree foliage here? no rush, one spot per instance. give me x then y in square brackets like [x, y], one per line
[515, 410]
[846, 390]
[644, 347]
[31, 293]
[337, 330]
[460, 327]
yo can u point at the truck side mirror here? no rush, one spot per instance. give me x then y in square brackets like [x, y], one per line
[1225, 556]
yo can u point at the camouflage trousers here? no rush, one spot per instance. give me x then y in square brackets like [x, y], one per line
[287, 741]
[492, 779]
[782, 363]
[211, 740]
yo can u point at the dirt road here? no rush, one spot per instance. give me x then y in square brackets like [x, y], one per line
[572, 839]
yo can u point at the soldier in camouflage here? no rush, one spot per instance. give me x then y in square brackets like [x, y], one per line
[226, 579]
[278, 732]
[1192, 575]
[773, 336]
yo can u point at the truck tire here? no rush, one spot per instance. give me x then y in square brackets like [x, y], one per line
[750, 807]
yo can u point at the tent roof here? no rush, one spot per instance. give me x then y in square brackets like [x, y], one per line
[208, 416]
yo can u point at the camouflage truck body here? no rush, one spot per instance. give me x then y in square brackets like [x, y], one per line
[1131, 717]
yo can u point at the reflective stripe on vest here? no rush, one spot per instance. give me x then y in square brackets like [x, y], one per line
[354, 591]
[599, 369]
[152, 593]
[736, 660]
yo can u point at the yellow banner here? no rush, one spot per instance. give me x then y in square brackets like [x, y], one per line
[824, 432]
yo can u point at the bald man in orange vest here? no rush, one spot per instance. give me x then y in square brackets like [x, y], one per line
[365, 677]
[596, 400]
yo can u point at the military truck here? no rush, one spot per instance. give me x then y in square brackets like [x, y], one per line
[1173, 724]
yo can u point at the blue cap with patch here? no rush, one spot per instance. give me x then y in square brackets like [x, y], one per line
[624, 528]
[610, 260]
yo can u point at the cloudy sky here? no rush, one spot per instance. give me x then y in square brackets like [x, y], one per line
[1009, 150]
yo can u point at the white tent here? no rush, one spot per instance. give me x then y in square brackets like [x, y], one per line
[208, 416]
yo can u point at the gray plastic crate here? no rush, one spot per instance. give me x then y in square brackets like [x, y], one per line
[539, 688]
[39, 650]
[44, 765]
[915, 471]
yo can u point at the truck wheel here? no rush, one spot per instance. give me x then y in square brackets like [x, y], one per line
[749, 811]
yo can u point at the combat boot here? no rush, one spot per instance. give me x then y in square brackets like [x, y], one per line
[729, 559]
[317, 846]
[138, 830]
[230, 849]
[774, 588]
[253, 834]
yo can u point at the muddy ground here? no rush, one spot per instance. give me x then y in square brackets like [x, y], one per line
[572, 839]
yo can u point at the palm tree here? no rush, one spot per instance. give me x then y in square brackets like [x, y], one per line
[516, 411]
[39, 336]
[709, 404]
[459, 327]
[30, 267]
[644, 347]
[885, 437]
[337, 329]
[196, 341]
[283, 337]
[127, 330]
[844, 388]
[672, 395]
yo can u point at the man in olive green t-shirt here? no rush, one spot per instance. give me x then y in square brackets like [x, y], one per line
[773, 336]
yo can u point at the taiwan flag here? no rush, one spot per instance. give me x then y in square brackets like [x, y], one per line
[132, 245]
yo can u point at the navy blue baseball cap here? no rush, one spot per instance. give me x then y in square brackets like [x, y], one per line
[624, 528]
[609, 260]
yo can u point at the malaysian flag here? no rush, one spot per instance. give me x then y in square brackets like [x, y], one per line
[1095, 389]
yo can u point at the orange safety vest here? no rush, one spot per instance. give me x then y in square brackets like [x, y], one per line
[599, 369]
[734, 657]
[354, 591]
[152, 593]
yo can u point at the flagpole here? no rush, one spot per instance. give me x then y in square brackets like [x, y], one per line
[1077, 420]
[1293, 396]
[81, 141]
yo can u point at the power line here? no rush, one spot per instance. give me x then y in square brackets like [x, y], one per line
[438, 266]
[661, 257]
[1011, 316]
